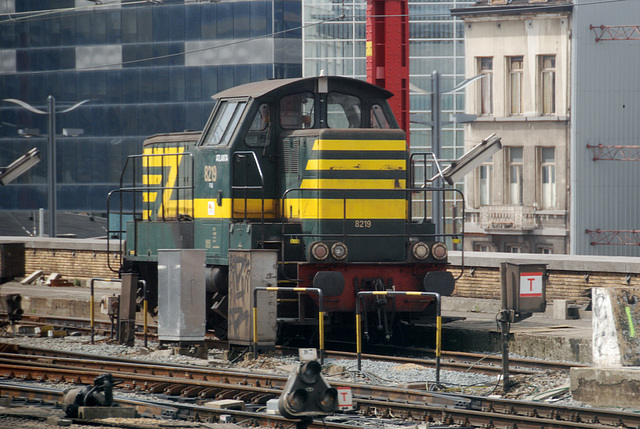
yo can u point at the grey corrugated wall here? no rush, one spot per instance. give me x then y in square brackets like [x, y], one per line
[605, 109]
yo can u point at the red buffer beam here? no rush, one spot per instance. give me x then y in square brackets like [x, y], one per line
[615, 153]
[388, 53]
[614, 237]
[616, 32]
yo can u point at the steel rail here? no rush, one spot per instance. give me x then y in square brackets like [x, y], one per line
[162, 409]
[372, 400]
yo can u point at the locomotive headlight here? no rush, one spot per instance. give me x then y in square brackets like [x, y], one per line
[439, 251]
[420, 250]
[339, 251]
[320, 251]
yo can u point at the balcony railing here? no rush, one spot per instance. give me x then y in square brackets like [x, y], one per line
[508, 217]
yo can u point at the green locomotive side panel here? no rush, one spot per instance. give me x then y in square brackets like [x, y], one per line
[212, 235]
[151, 236]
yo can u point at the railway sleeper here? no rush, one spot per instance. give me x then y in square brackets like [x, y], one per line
[262, 398]
[209, 392]
[227, 394]
[175, 389]
[192, 391]
[245, 396]
[157, 387]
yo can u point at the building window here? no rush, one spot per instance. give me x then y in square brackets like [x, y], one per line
[548, 84]
[546, 250]
[482, 247]
[485, 173]
[511, 248]
[515, 175]
[485, 66]
[548, 177]
[515, 84]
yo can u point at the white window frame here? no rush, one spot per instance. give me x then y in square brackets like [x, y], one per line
[545, 250]
[485, 89]
[547, 85]
[515, 171]
[515, 248]
[548, 179]
[515, 67]
[485, 184]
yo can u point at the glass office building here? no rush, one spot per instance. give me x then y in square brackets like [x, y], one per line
[334, 36]
[146, 67]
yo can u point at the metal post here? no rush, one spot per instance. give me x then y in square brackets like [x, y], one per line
[91, 309]
[144, 309]
[504, 333]
[127, 312]
[436, 132]
[358, 332]
[254, 324]
[436, 296]
[40, 222]
[51, 165]
[438, 336]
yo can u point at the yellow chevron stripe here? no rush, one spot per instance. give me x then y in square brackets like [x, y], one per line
[353, 184]
[360, 145]
[356, 164]
[151, 179]
[149, 197]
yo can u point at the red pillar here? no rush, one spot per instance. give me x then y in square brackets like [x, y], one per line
[388, 53]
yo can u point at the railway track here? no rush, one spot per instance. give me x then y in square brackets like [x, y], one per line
[255, 389]
[450, 360]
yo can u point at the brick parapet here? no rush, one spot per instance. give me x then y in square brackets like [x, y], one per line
[71, 258]
[569, 277]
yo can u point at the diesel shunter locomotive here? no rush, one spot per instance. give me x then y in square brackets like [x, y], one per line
[316, 168]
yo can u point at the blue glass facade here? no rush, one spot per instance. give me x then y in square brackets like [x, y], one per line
[146, 68]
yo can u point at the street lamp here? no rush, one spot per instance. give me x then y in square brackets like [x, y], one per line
[51, 150]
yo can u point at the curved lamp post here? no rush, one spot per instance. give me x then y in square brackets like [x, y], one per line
[51, 150]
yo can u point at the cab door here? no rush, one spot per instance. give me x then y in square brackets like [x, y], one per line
[255, 166]
[212, 170]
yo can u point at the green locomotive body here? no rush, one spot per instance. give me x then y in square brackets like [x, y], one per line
[316, 168]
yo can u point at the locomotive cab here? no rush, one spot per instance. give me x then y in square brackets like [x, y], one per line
[316, 168]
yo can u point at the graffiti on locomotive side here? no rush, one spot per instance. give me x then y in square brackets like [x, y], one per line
[240, 296]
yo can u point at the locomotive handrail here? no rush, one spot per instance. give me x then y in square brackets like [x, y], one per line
[425, 180]
[287, 289]
[406, 191]
[135, 189]
[360, 296]
[245, 187]
[162, 187]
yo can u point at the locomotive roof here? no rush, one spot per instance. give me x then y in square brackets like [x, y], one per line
[259, 89]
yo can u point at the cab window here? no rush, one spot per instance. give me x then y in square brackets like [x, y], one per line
[343, 111]
[260, 130]
[296, 111]
[224, 123]
[378, 118]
